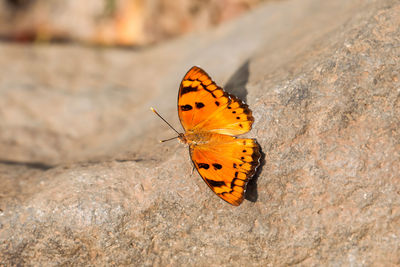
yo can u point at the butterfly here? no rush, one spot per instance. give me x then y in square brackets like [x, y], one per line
[211, 119]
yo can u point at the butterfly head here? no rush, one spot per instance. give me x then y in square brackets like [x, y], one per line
[182, 138]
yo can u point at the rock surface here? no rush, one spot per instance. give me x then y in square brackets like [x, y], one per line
[83, 180]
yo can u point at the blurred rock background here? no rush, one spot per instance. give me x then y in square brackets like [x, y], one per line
[113, 22]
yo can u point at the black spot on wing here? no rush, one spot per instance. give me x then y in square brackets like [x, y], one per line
[199, 105]
[203, 166]
[215, 183]
[186, 107]
[217, 166]
[217, 103]
[186, 90]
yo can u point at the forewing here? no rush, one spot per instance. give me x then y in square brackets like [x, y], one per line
[226, 167]
[204, 106]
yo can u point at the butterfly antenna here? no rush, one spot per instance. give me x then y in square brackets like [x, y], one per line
[152, 109]
[162, 141]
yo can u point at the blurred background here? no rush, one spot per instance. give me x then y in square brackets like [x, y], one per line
[113, 22]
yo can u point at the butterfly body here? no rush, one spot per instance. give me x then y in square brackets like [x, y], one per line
[212, 118]
[199, 138]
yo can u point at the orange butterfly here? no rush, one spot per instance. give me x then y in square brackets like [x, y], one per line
[211, 118]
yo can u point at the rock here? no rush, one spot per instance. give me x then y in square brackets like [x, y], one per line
[85, 182]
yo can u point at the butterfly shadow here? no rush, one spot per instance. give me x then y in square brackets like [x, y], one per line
[236, 84]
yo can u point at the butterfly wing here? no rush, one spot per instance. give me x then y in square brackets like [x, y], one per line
[226, 164]
[204, 106]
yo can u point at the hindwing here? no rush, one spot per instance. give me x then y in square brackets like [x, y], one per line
[226, 164]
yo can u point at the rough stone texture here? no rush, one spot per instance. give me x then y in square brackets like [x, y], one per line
[84, 181]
